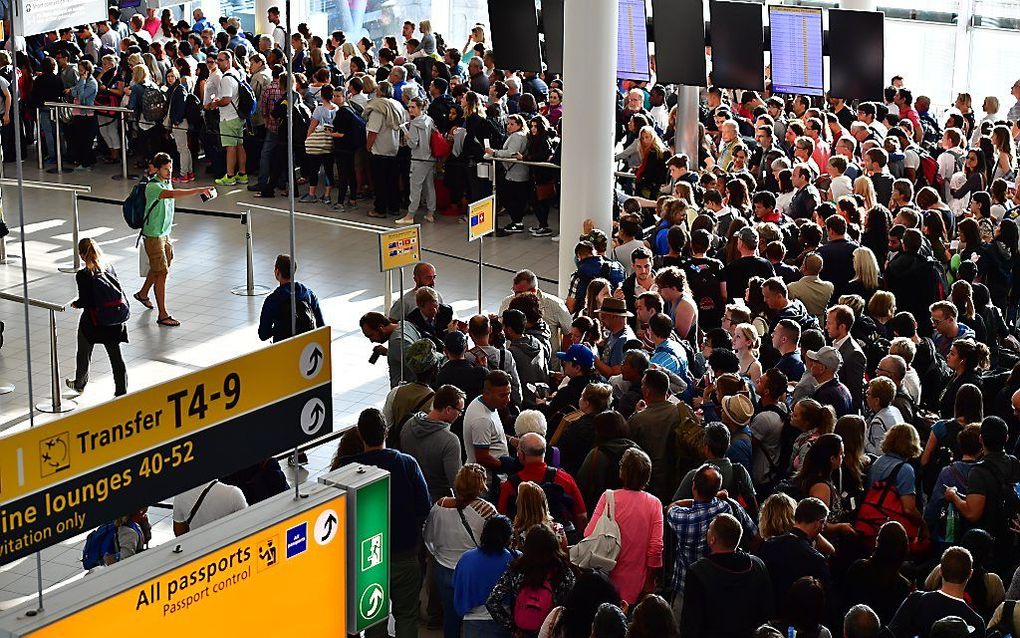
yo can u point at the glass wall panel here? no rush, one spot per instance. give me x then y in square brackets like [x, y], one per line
[923, 54]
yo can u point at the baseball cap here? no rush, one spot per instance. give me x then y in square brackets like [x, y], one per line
[748, 235]
[827, 356]
[579, 354]
[738, 408]
[455, 342]
[422, 356]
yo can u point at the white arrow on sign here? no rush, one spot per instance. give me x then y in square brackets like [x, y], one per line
[371, 601]
[313, 416]
[326, 526]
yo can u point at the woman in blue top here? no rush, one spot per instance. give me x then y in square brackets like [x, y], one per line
[899, 446]
[84, 127]
[476, 574]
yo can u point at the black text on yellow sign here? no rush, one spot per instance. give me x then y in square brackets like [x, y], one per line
[65, 477]
[249, 587]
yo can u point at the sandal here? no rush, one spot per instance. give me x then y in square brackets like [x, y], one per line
[144, 301]
[168, 321]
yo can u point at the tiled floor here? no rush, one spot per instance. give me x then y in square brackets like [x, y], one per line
[341, 265]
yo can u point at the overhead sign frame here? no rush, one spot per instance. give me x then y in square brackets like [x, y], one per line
[32, 17]
[252, 590]
[70, 475]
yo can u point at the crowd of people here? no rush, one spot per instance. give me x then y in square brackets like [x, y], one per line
[780, 398]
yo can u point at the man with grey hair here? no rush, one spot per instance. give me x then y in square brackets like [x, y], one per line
[477, 79]
[895, 368]
[565, 502]
[554, 311]
[385, 117]
[730, 134]
[861, 622]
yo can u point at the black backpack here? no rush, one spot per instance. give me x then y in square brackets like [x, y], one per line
[110, 307]
[561, 505]
[193, 112]
[305, 318]
[946, 451]
[935, 378]
[1008, 504]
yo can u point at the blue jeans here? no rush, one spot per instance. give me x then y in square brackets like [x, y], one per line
[484, 629]
[443, 578]
[266, 159]
[48, 131]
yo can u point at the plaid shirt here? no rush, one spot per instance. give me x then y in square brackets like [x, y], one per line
[267, 102]
[690, 526]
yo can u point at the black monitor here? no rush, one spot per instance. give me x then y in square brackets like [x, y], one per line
[738, 48]
[856, 54]
[795, 43]
[680, 41]
[552, 27]
[514, 28]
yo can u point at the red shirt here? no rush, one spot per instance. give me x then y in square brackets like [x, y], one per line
[912, 115]
[536, 472]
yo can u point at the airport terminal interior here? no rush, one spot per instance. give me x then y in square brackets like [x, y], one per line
[611, 317]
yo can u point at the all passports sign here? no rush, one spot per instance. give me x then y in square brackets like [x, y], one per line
[273, 569]
[68, 476]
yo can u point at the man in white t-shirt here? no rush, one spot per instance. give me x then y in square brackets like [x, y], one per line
[204, 504]
[231, 125]
[484, 438]
[279, 33]
[952, 161]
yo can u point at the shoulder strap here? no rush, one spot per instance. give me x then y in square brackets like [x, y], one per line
[611, 504]
[550, 475]
[198, 503]
[467, 527]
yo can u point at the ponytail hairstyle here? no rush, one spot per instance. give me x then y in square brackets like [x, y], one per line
[92, 255]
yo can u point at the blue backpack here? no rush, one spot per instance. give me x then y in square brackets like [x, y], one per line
[102, 542]
[135, 210]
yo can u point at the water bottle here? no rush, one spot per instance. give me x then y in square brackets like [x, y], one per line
[952, 523]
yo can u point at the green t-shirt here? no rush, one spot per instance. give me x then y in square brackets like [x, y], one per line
[159, 217]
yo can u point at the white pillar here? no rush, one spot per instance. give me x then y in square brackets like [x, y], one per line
[261, 15]
[961, 60]
[859, 5]
[589, 72]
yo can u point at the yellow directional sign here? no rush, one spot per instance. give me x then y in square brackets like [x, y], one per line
[481, 218]
[62, 478]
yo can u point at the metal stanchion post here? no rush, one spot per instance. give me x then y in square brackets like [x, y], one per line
[401, 324]
[76, 264]
[250, 288]
[123, 148]
[55, 405]
[387, 291]
[55, 116]
[38, 140]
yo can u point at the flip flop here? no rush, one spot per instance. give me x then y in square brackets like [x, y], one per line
[144, 301]
[168, 321]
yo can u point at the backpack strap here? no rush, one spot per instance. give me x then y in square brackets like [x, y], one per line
[611, 505]
[198, 503]
[550, 475]
[467, 527]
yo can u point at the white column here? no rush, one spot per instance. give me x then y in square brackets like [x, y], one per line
[961, 59]
[261, 12]
[859, 5]
[590, 73]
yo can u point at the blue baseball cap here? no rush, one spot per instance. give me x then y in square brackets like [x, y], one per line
[579, 354]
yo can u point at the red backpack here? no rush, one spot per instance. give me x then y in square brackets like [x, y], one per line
[882, 504]
[439, 145]
[532, 605]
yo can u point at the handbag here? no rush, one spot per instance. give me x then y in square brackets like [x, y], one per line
[545, 191]
[320, 142]
[463, 520]
[601, 549]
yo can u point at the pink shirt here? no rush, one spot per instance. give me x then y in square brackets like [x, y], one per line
[639, 515]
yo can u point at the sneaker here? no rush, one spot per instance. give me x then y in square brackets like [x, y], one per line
[71, 386]
[542, 232]
[430, 218]
[376, 214]
[339, 207]
[191, 176]
[406, 220]
[555, 238]
[308, 198]
[226, 180]
[254, 187]
[514, 228]
[326, 200]
[534, 229]
[242, 178]
[179, 180]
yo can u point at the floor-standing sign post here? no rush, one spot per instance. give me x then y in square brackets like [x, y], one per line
[481, 222]
[368, 543]
[399, 248]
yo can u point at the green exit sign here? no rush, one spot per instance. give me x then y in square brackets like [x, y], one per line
[368, 549]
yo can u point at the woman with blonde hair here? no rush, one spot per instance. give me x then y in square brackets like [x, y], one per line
[746, 344]
[532, 510]
[900, 446]
[104, 317]
[347, 51]
[776, 519]
[477, 36]
[813, 420]
[866, 279]
[651, 172]
[598, 289]
[428, 39]
[155, 73]
[866, 189]
[453, 527]
[882, 308]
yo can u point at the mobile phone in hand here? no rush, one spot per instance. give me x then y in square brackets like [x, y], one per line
[212, 195]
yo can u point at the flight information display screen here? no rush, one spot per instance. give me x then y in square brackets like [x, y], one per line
[796, 42]
[632, 42]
